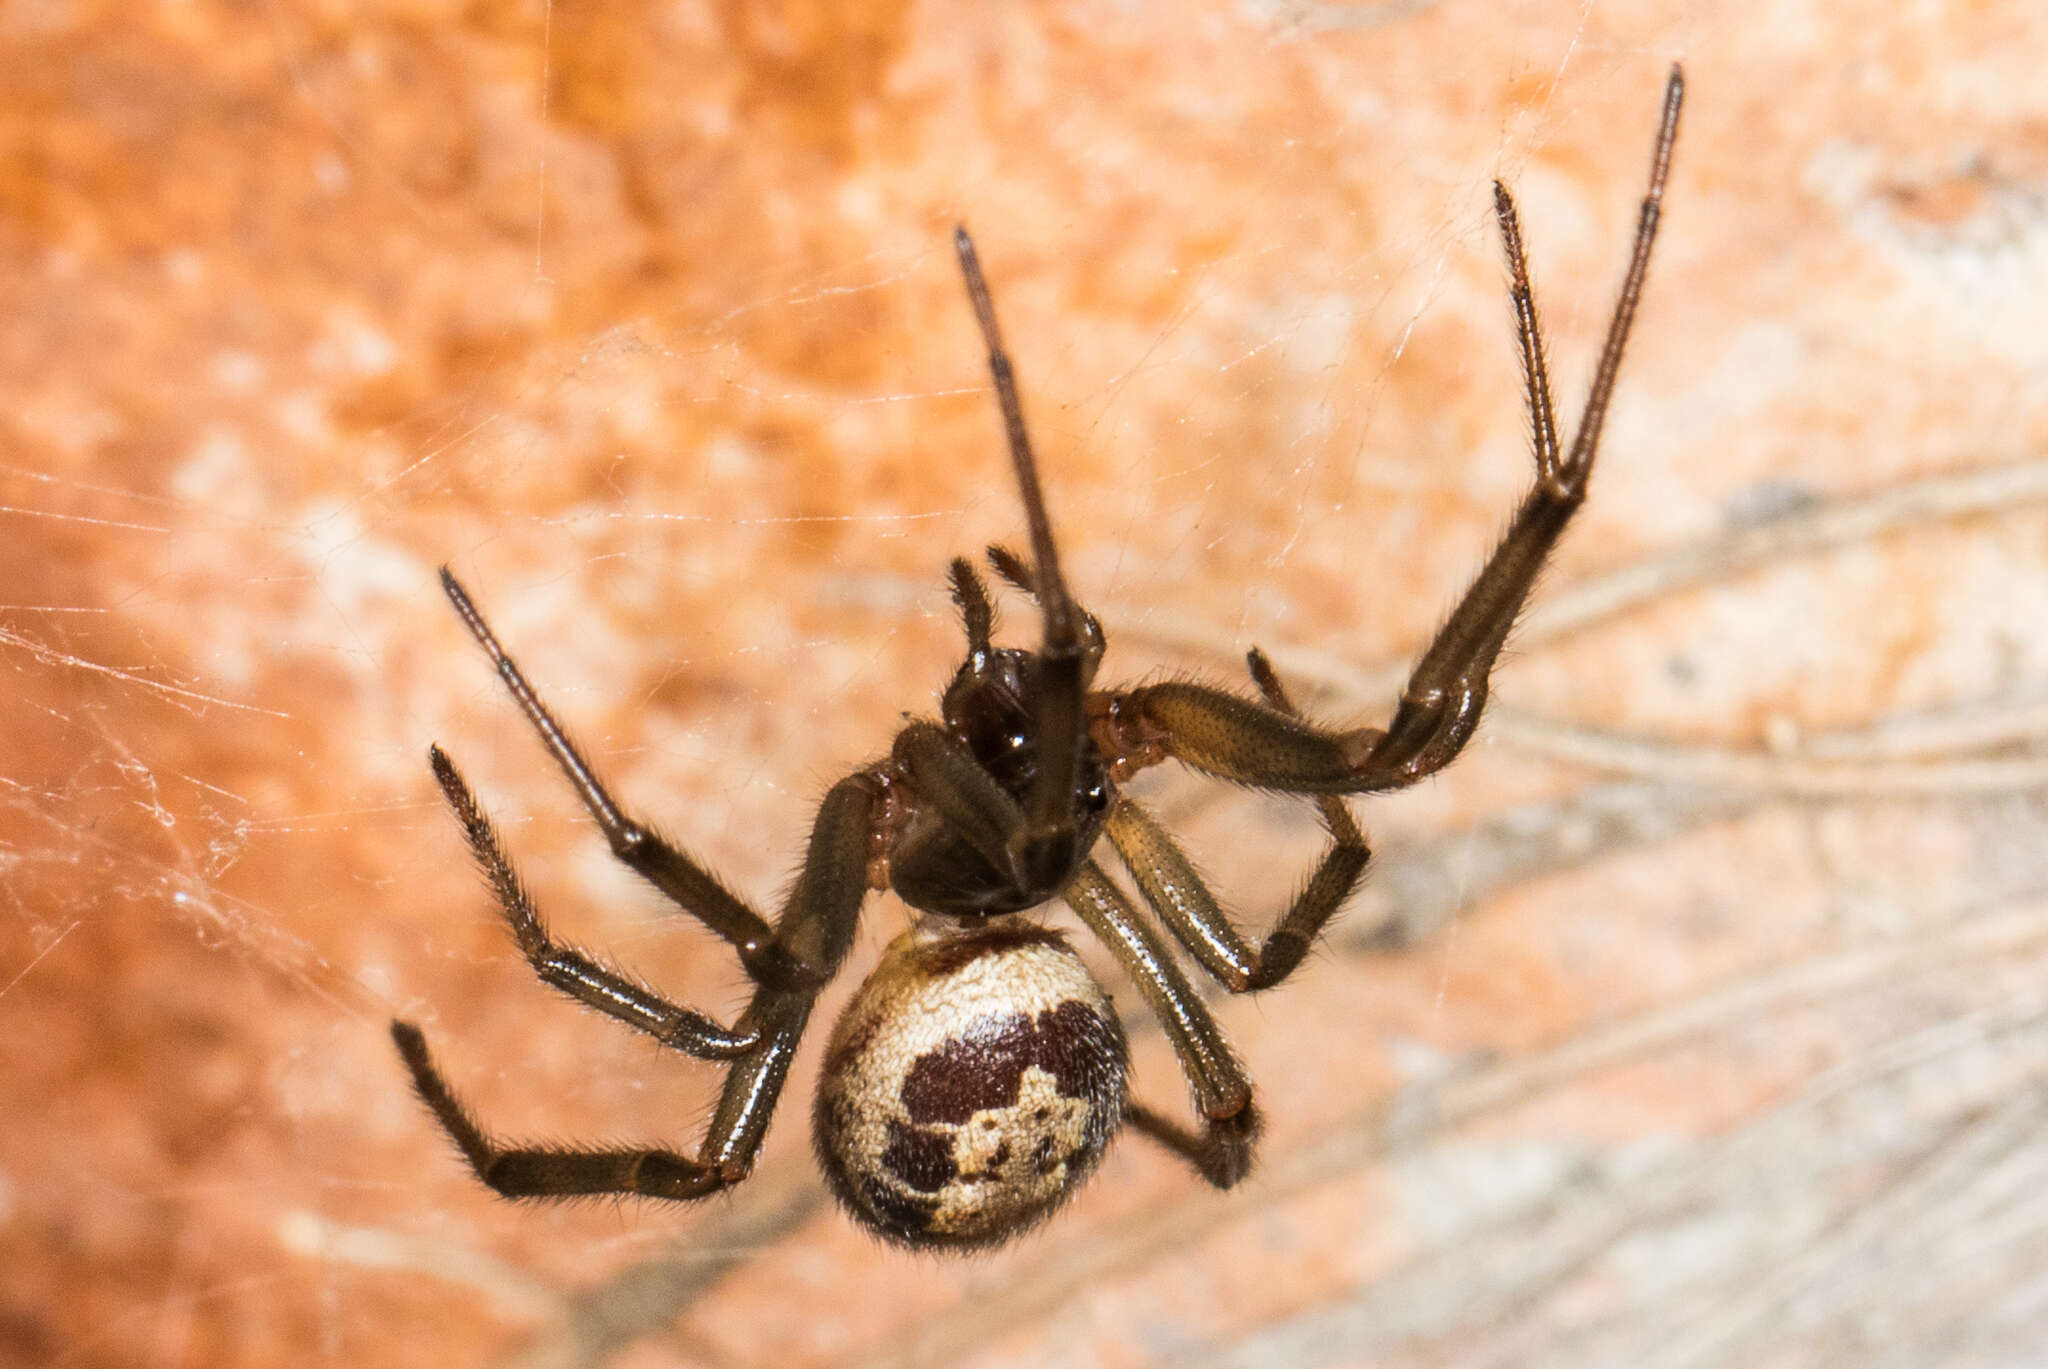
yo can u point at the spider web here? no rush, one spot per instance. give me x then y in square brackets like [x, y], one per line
[1719, 953]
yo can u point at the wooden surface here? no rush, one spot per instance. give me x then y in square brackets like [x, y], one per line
[1698, 1017]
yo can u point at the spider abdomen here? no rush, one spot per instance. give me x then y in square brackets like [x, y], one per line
[970, 1086]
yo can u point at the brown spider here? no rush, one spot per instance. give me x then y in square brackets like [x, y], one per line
[977, 1076]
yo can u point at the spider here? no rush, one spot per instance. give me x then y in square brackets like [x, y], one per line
[977, 1076]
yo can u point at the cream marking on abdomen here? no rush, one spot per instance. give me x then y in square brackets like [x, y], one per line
[970, 1085]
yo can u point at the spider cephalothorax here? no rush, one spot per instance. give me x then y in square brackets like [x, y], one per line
[979, 1073]
[935, 861]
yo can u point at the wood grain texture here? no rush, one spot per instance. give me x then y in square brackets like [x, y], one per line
[1696, 1017]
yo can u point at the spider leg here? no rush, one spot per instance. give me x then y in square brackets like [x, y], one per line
[1336, 815]
[638, 846]
[816, 928]
[567, 968]
[1043, 850]
[1173, 887]
[1446, 692]
[968, 799]
[1233, 738]
[540, 1172]
[1170, 883]
[1222, 1149]
[976, 612]
[1017, 571]
[1013, 568]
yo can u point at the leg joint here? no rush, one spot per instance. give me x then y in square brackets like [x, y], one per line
[630, 841]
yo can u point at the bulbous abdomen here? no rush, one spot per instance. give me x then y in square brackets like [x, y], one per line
[969, 1087]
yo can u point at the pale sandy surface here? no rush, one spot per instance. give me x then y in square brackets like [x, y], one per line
[1697, 1018]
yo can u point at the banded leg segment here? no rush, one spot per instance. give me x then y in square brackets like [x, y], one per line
[1222, 1149]
[815, 930]
[539, 1172]
[1171, 885]
[686, 883]
[1446, 692]
[1192, 912]
[566, 968]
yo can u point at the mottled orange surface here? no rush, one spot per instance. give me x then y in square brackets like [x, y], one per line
[1695, 1018]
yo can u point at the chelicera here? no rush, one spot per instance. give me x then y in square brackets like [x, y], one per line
[979, 1073]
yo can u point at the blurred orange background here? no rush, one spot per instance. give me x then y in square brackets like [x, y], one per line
[1697, 1017]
